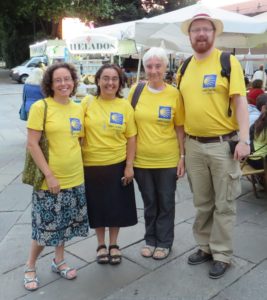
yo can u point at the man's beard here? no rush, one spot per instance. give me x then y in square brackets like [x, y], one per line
[202, 45]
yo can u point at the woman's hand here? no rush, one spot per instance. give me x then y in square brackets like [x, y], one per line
[181, 168]
[52, 183]
[128, 174]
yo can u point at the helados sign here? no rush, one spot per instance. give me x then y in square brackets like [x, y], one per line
[92, 44]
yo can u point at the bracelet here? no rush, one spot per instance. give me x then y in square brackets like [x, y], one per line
[182, 156]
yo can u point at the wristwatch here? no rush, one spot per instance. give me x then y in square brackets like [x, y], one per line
[246, 142]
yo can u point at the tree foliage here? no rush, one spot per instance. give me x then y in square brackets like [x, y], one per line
[22, 22]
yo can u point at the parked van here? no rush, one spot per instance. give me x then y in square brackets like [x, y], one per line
[21, 72]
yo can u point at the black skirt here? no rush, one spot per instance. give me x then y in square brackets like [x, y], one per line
[109, 204]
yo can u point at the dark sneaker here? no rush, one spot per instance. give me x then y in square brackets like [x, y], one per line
[199, 257]
[217, 269]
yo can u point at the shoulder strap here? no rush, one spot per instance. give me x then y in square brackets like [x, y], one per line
[226, 72]
[137, 92]
[45, 114]
[225, 64]
[182, 70]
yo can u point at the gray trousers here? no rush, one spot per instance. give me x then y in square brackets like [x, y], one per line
[157, 187]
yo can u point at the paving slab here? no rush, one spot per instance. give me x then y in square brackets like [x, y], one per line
[178, 280]
[184, 210]
[7, 220]
[260, 219]
[25, 217]
[86, 249]
[183, 191]
[94, 282]
[250, 242]
[11, 283]
[15, 246]
[248, 210]
[15, 197]
[250, 286]
[183, 241]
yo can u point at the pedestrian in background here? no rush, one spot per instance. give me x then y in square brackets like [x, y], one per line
[108, 154]
[159, 157]
[59, 208]
[31, 91]
[213, 172]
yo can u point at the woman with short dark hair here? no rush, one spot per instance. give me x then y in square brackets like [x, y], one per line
[108, 153]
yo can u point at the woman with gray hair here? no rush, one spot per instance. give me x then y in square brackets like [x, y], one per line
[159, 159]
[31, 92]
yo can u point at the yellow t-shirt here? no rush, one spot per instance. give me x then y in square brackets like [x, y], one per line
[156, 114]
[260, 146]
[205, 94]
[108, 124]
[64, 126]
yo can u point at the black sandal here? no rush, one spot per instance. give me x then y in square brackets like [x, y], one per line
[102, 258]
[116, 258]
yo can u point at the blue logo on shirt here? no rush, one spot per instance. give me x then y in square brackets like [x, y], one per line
[165, 112]
[116, 118]
[209, 81]
[75, 124]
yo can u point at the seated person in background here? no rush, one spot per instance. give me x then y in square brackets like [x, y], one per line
[255, 91]
[261, 102]
[259, 141]
[260, 74]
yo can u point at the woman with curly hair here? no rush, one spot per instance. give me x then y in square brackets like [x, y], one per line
[59, 208]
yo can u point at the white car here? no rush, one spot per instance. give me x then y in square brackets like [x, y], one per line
[21, 72]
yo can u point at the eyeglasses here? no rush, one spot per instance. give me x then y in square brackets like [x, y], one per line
[61, 80]
[204, 29]
[107, 79]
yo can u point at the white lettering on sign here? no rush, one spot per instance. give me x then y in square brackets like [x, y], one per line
[92, 44]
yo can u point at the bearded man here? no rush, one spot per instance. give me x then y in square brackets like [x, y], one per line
[215, 113]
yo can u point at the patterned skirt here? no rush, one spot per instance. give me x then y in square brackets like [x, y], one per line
[58, 218]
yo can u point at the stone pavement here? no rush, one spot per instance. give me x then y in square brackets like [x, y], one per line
[136, 278]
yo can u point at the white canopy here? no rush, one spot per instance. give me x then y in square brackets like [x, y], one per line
[239, 31]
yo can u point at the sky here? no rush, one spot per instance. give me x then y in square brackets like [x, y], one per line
[218, 3]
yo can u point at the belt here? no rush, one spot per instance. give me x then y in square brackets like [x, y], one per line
[213, 139]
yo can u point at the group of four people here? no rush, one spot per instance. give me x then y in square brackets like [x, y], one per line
[119, 143]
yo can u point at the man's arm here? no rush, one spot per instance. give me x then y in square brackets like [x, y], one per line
[242, 149]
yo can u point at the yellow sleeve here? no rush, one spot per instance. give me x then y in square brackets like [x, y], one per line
[131, 129]
[179, 117]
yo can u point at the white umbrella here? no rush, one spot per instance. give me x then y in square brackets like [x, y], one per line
[239, 31]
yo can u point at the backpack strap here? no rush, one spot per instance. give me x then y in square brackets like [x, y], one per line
[182, 70]
[226, 72]
[137, 92]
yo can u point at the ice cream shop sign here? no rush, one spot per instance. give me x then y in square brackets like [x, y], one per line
[93, 44]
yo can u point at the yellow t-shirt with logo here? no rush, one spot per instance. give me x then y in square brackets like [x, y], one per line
[205, 94]
[108, 124]
[64, 126]
[156, 115]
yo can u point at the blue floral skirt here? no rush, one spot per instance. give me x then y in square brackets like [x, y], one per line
[56, 218]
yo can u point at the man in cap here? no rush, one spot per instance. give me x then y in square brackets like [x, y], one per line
[214, 110]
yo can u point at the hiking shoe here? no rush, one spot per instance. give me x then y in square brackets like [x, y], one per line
[199, 257]
[217, 269]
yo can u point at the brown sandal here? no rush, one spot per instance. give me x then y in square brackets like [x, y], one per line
[102, 258]
[114, 259]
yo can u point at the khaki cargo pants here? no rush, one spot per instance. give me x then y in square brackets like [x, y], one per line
[214, 178]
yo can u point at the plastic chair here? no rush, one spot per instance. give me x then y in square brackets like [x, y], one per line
[255, 175]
